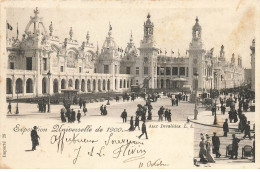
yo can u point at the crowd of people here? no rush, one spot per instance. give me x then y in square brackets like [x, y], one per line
[238, 104]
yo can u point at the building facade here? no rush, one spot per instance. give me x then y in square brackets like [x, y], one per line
[42, 63]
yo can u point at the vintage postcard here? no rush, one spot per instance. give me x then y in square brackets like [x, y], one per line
[129, 84]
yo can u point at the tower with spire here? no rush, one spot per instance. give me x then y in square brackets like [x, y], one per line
[148, 56]
[196, 55]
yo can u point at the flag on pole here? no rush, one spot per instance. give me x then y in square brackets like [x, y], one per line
[110, 27]
[165, 52]
[172, 52]
[9, 26]
[178, 53]
[17, 32]
[160, 51]
[186, 52]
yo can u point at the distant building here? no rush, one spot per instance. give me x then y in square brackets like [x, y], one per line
[253, 64]
[248, 76]
[84, 67]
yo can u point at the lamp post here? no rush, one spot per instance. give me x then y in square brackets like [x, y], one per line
[108, 97]
[49, 101]
[215, 116]
[196, 76]
[17, 109]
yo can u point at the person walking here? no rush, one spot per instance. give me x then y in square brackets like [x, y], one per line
[166, 114]
[143, 131]
[9, 108]
[247, 130]
[132, 128]
[208, 150]
[80, 102]
[235, 142]
[101, 110]
[203, 152]
[216, 145]
[34, 138]
[73, 115]
[105, 110]
[78, 116]
[124, 116]
[223, 109]
[85, 110]
[137, 122]
[225, 128]
[62, 116]
[149, 114]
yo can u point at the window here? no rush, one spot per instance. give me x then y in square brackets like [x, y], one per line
[187, 73]
[175, 71]
[106, 69]
[115, 69]
[28, 63]
[80, 70]
[182, 70]
[137, 71]
[44, 63]
[168, 71]
[11, 65]
[95, 70]
[136, 82]
[158, 71]
[61, 69]
[128, 70]
[145, 70]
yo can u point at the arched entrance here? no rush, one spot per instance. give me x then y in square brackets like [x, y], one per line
[108, 84]
[29, 86]
[167, 83]
[63, 83]
[88, 86]
[162, 83]
[9, 86]
[104, 84]
[76, 84]
[19, 85]
[55, 86]
[83, 85]
[124, 83]
[70, 83]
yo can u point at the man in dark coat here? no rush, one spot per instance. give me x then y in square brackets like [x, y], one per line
[234, 147]
[177, 102]
[247, 130]
[101, 110]
[216, 145]
[34, 138]
[9, 108]
[137, 122]
[225, 128]
[124, 115]
[73, 116]
[223, 109]
[143, 131]
[80, 103]
[166, 114]
[78, 116]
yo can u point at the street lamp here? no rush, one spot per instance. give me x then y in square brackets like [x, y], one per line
[215, 116]
[196, 76]
[49, 101]
[17, 109]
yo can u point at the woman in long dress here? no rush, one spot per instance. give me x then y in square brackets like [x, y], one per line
[203, 152]
[132, 128]
[208, 149]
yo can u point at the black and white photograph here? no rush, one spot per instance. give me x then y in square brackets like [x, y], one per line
[129, 85]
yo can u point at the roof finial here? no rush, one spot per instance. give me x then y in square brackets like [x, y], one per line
[87, 37]
[71, 33]
[36, 11]
[197, 19]
[110, 29]
[17, 32]
[148, 16]
[131, 37]
[51, 28]
[97, 49]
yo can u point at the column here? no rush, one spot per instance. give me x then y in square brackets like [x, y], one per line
[59, 85]
[80, 85]
[50, 85]
[24, 85]
[13, 85]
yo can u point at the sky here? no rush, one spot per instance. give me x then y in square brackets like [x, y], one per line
[234, 28]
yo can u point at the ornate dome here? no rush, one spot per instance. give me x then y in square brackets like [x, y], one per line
[109, 43]
[131, 49]
[197, 25]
